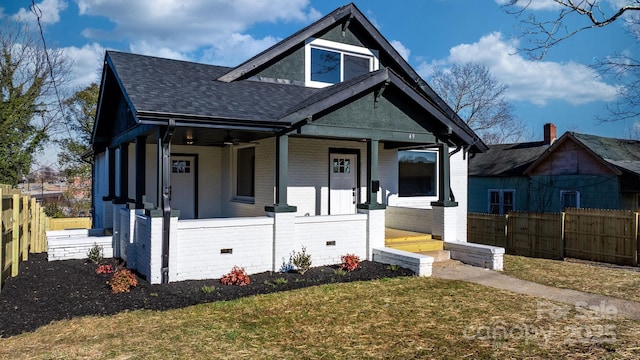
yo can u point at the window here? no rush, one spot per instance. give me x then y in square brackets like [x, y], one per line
[245, 172]
[570, 199]
[417, 173]
[329, 62]
[181, 166]
[501, 201]
[341, 166]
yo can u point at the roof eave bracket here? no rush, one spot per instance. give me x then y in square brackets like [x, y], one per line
[378, 93]
[345, 25]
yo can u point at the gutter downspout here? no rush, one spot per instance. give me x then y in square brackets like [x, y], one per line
[166, 197]
[451, 196]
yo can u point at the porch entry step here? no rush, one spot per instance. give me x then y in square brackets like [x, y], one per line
[411, 241]
[438, 255]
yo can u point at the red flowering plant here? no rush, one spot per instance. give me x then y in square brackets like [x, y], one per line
[104, 269]
[122, 281]
[349, 262]
[237, 276]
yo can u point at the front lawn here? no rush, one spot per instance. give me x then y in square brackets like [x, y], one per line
[400, 318]
[604, 279]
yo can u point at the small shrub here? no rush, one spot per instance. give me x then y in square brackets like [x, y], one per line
[301, 260]
[104, 269]
[208, 289]
[349, 262]
[95, 253]
[237, 276]
[122, 281]
[393, 267]
[340, 272]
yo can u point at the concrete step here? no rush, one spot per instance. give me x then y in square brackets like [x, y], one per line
[438, 255]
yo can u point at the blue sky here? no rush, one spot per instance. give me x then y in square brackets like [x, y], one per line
[561, 89]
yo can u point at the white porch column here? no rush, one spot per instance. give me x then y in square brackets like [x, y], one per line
[375, 229]
[116, 227]
[149, 247]
[284, 237]
[445, 223]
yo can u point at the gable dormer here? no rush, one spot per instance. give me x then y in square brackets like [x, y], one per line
[328, 62]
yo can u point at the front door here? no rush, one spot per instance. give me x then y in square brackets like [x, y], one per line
[343, 192]
[183, 170]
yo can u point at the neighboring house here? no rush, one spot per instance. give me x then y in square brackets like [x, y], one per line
[577, 170]
[319, 141]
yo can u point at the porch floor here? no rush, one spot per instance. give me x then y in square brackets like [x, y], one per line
[411, 241]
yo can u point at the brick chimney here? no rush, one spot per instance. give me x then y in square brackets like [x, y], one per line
[549, 133]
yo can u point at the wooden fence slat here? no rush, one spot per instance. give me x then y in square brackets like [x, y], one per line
[24, 231]
[15, 223]
[2, 227]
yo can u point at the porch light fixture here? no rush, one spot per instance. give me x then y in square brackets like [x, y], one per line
[189, 141]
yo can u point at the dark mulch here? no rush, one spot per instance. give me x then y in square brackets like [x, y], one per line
[49, 291]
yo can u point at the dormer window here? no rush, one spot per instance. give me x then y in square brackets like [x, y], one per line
[329, 62]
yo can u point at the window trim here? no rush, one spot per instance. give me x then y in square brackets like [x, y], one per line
[341, 48]
[234, 177]
[562, 194]
[501, 199]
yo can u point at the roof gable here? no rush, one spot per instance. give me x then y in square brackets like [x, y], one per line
[570, 156]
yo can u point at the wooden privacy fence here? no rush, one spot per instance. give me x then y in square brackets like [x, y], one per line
[23, 230]
[591, 234]
[23, 226]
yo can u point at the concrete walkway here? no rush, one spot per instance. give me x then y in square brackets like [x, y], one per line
[453, 270]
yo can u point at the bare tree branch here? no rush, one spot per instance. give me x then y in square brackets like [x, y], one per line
[472, 92]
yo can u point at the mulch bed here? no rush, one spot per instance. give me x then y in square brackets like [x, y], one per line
[49, 291]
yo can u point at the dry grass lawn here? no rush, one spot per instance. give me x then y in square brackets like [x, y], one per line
[403, 318]
[616, 282]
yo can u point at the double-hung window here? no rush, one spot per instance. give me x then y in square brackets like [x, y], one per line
[570, 199]
[328, 62]
[501, 201]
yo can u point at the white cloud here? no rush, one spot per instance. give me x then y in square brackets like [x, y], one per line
[533, 4]
[403, 50]
[48, 10]
[87, 64]
[186, 27]
[534, 81]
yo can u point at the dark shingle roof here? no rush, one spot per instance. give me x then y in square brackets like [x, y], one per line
[623, 154]
[158, 85]
[506, 159]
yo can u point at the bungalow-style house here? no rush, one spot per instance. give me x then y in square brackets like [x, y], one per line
[320, 141]
[577, 170]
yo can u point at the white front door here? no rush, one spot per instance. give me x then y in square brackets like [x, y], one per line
[343, 169]
[183, 170]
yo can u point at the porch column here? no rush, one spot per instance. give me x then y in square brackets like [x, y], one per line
[111, 159]
[375, 211]
[141, 154]
[445, 211]
[373, 184]
[282, 174]
[444, 178]
[123, 197]
[107, 201]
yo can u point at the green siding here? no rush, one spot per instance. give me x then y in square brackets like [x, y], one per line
[291, 67]
[386, 115]
[335, 34]
[596, 191]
